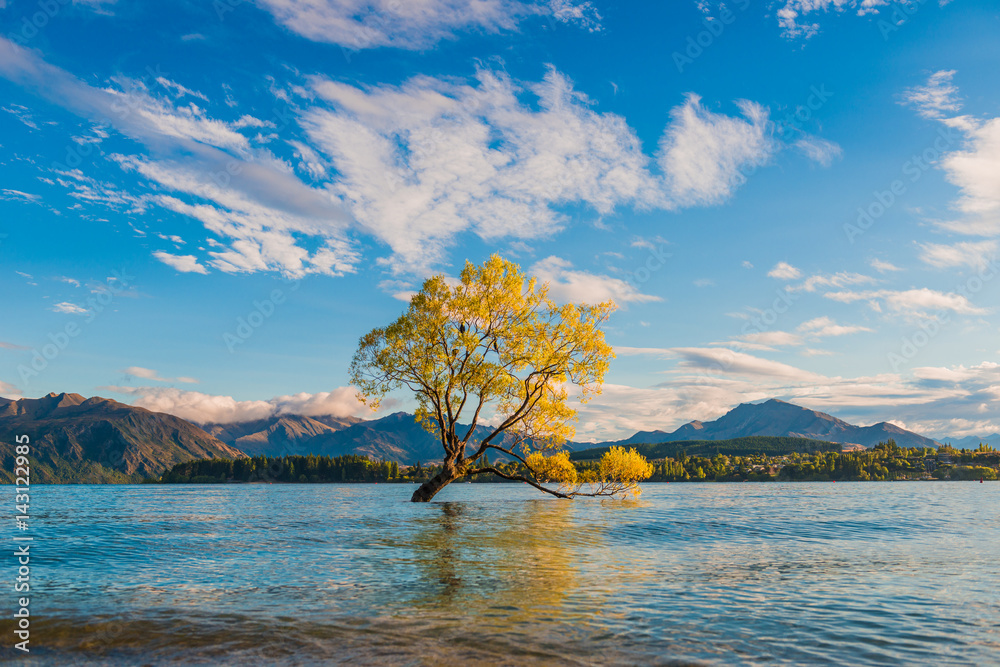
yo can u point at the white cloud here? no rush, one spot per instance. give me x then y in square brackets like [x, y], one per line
[975, 166]
[177, 90]
[22, 113]
[882, 266]
[85, 188]
[417, 164]
[936, 97]
[183, 263]
[8, 390]
[818, 150]
[784, 271]
[431, 159]
[822, 327]
[702, 153]
[976, 170]
[364, 24]
[626, 351]
[793, 13]
[254, 198]
[976, 255]
[810, 331]
[69, 308]
[207, 408]
[569, 285]
[913, 303]
[170, 237]
[731, 362]
[771, 339]
[17, 194]
[841, 279]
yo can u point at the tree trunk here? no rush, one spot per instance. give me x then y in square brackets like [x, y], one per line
[449, 473]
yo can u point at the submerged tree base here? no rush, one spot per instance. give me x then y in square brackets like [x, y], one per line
[430, 488]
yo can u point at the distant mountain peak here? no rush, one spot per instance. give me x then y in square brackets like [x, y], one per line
[775, 417]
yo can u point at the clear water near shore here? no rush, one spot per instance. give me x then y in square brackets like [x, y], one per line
[495, 574]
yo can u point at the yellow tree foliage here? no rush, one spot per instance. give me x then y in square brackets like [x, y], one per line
[619, 471]
[494, 344]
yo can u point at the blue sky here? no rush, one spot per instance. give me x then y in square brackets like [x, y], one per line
[204, 206]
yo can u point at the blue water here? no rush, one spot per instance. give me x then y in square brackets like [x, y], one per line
[878, 573]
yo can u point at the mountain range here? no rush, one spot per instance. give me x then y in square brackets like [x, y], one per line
[395, 437]
[778, 418]
[972, 442]
[77, 439]
[97, 440]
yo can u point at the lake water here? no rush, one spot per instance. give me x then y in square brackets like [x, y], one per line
[878, 573]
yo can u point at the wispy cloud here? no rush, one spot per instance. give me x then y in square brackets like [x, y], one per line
[975, 255]
[69, 308]
[150, 374]
[18, 195]
[883, 266]
[841, 279]
[918, 303]
[365, 24]
[935, 98]
[22, 113]
[262, 205]
[415, 165]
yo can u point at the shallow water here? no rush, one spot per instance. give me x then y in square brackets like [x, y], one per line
[878, 573]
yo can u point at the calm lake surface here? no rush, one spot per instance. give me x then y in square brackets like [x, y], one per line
[877, 573]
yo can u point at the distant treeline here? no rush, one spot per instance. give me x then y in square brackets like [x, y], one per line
[885, 461]
[350, 468]
[747, 446]
[309, 469]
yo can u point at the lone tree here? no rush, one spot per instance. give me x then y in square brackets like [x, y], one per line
[496, 344]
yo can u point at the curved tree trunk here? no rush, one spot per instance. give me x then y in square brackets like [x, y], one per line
[449, 473]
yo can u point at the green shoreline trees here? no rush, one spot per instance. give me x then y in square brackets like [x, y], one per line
[885, 462]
